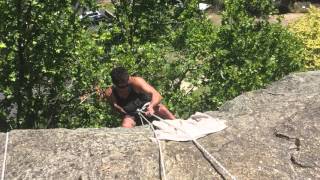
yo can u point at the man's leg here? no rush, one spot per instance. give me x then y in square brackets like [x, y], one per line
[163, 112]
[128, 121]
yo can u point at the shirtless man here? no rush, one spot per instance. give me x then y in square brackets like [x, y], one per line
[128, 91]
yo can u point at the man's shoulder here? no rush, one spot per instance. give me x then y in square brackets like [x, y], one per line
[136, 80]
[138, 83]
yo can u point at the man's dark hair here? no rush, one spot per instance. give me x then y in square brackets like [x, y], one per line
[119, 75]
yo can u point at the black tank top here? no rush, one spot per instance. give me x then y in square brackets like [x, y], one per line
[138, 99]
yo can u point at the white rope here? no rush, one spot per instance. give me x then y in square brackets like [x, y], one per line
[141, 110]
[5, 155]
[141, 120]
[211, 158]
[158, 141]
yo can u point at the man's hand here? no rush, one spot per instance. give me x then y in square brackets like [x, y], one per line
[99, 92]
[119, 109]
[150, 111]
[83, 98]
[103, 93]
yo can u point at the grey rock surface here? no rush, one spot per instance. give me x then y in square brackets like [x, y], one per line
[273, 133]
[2, 147]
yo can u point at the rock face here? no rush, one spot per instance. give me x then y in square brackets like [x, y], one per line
[273, 133]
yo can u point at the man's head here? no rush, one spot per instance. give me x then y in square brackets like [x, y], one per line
[120, 77]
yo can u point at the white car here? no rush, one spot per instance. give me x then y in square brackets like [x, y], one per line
[92, 15]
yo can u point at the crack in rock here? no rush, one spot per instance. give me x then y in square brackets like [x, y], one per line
[296, 140]
[299, 164]
[224, 145]
[297, 143]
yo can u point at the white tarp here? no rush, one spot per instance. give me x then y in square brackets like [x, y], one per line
[198, 125]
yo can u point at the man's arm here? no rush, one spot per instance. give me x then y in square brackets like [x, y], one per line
[113, 102]
[141, 85]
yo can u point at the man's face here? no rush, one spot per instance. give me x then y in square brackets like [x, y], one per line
[122, 86]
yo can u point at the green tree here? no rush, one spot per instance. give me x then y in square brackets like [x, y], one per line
[153, 34]
[249, 51]
[307, 29]
[47, 60]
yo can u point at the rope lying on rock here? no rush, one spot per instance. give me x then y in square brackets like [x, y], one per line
[5, 156]
[142, 117]
[211, 159]
[163, 175]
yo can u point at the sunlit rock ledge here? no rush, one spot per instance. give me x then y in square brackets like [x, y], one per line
[273, 133]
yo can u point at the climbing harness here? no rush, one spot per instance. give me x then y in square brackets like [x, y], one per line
[141, 116]
[5, 155]
[211, 158]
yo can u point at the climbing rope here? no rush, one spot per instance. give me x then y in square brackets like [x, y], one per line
[163, 176]
[140, 111]
[141, 119]
[5, 155]
[212, 159]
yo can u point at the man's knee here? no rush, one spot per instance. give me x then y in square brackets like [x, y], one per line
[163, 111]
[127, 125]
[128, 122]
[163, 107]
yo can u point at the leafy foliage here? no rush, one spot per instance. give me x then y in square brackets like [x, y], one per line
[250, 52]
[308, 30]
[46, 61]
[194, 42]
[163, 35]
[49, 59]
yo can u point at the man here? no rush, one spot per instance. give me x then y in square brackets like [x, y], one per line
[129, 93]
